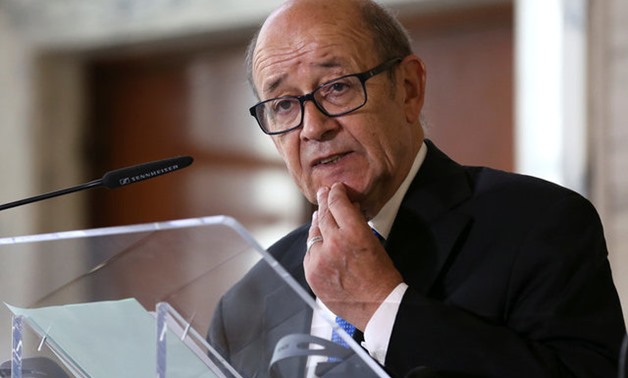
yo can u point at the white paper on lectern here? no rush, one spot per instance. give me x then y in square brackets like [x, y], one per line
[111, 339]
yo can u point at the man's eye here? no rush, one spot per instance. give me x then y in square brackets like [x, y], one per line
[338, 87]
[336, 90]
[282, 106]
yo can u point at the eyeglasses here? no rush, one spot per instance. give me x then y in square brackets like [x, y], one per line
[334, 98]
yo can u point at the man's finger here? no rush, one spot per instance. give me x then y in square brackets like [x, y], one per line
[343, 211]
[314, 228]
[326, 221]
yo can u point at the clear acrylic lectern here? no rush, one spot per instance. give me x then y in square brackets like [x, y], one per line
[139, 301]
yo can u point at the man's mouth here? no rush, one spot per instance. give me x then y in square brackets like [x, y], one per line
[329, 160]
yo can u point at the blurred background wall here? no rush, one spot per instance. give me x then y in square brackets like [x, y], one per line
[534, 86]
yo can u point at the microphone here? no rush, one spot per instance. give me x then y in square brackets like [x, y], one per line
[115, 179]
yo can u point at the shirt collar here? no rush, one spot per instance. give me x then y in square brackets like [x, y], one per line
[383, 221]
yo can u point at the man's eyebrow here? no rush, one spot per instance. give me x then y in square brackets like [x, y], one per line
[332, 63]
[273, 84]
[276, 82]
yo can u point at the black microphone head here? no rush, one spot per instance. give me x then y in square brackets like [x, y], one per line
[140, 172]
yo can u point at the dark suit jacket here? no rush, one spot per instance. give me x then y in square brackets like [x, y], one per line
[508, 277]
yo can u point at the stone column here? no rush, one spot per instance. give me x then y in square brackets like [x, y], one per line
[608, 127]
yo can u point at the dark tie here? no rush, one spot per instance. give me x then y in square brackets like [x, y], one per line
[347, 327]
[335, 336]
[380, 237]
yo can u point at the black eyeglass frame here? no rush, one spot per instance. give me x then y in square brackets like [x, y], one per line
[363, 77]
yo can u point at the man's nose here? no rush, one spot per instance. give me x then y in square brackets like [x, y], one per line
[315, 123]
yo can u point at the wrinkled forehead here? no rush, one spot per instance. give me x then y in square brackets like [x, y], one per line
[312, 38]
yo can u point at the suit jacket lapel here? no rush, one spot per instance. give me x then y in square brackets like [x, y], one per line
[427, 226]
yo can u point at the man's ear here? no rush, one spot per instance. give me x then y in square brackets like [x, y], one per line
[413, 75]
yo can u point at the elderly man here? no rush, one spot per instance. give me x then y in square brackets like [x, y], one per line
[480, 273]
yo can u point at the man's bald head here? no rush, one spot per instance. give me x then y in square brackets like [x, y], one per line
[388, 37]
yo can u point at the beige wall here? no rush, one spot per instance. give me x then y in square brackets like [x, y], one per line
[16, 120]
[608, 129]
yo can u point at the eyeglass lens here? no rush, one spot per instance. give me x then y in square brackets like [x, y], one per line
[335, 98]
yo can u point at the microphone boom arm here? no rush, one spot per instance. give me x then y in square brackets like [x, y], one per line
[56, 193]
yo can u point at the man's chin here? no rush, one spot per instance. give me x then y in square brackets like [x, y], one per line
[355, 196]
